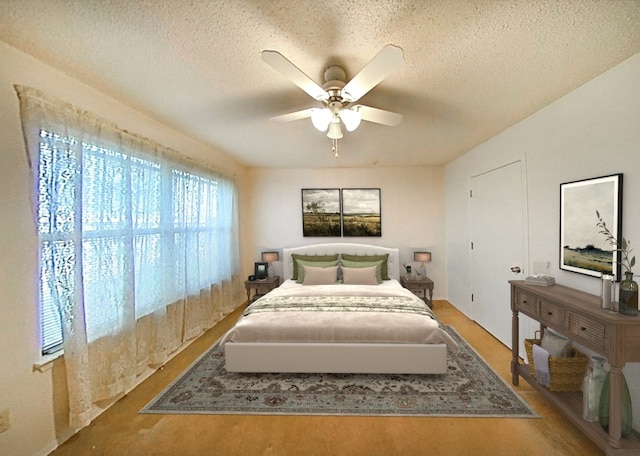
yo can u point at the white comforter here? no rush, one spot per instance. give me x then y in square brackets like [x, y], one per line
[340, 326]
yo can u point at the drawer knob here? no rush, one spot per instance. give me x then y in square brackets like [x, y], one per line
[582, 328]
[549, 313]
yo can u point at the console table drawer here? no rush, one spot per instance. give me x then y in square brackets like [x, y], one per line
[526, 303]
[587, 329]
[552, 313]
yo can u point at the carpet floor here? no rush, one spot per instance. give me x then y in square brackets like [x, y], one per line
[470, 388]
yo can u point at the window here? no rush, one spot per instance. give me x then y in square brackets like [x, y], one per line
[138, 248]
[133, 228]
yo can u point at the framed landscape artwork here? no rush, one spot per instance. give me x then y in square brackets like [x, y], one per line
[583, 249]
[321, 212]
[361, 212]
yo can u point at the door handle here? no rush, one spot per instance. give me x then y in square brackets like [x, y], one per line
[516, 269]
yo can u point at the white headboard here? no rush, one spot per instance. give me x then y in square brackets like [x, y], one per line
[393, 264]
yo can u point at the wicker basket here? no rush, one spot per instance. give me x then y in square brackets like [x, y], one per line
[566, 373]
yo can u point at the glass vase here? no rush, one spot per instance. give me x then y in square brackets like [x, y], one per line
[409, 274]
[625, 406]
[594, 381]
[606, 294]
[628, 296]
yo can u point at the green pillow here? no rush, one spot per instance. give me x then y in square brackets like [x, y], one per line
[297, 256]
[365, 264]
[315, 264]
[384, 258]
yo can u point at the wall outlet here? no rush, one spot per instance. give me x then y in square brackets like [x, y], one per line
[5, 421]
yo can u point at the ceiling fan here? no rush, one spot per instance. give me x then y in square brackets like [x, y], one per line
[339, 96]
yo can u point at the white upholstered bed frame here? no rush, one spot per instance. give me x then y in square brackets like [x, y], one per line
[368, 358]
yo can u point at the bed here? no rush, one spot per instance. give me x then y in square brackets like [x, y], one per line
[312, 325]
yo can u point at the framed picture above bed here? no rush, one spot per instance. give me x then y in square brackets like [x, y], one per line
[583, 249]
[321, 212]
[361, 212]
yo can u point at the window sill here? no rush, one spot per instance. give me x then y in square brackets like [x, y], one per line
[45, 363]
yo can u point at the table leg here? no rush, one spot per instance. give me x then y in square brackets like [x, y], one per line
[615, 400]
[515, 347]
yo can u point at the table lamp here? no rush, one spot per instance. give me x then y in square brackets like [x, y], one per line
[270, 257]
[422, 258]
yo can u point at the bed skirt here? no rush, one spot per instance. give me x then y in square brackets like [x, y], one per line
[366, 358]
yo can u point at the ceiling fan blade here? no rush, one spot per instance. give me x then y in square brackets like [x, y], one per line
[379, 116]
[389, 59]
[280, 63]
[297, 115]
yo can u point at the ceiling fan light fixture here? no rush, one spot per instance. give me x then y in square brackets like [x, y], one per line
[338, 94]
[335, 131]
[351, 118]
[321, 118]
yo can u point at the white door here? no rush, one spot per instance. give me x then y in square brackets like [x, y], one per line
[498, 247]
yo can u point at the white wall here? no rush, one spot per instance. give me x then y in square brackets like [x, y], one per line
[412, 210]
[593, 131]
[37, 422]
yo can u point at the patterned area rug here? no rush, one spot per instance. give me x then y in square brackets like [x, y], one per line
[470, 388]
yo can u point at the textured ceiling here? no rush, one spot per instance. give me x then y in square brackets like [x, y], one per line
[472, 68]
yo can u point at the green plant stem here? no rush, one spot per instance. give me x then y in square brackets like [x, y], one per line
[623, 246]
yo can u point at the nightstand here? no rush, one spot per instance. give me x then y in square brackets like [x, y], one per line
[261, 287]
[423, 284]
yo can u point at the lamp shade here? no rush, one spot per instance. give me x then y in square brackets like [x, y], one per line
[351, 118]
[321, 118]
[335, 130]
[422, 257]
[269, 257]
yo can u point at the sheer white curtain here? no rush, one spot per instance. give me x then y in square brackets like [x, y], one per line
[138, 247]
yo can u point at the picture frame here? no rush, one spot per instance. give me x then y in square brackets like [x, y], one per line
[361, 212]
[321, 212]
[583, 249]
[261, 270]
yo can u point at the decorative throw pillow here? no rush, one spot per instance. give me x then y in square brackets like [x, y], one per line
[319, 276]
[384, 258]
[555, 344]
[296, 256]
[359, 276]
[317, 264]
[364, 264]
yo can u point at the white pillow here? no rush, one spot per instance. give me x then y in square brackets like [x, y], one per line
[555, 344]
[320, 276]
[359, 276]
[363, 264]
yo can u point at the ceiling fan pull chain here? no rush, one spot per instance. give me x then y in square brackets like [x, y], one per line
[334, 148]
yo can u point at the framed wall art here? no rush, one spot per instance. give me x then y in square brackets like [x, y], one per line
[321, 212]
[583, 249]
[361, 214]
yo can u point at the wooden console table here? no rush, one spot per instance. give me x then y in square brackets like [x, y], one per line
[579, 316]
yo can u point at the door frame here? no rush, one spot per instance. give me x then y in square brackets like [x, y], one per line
[526, 324]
